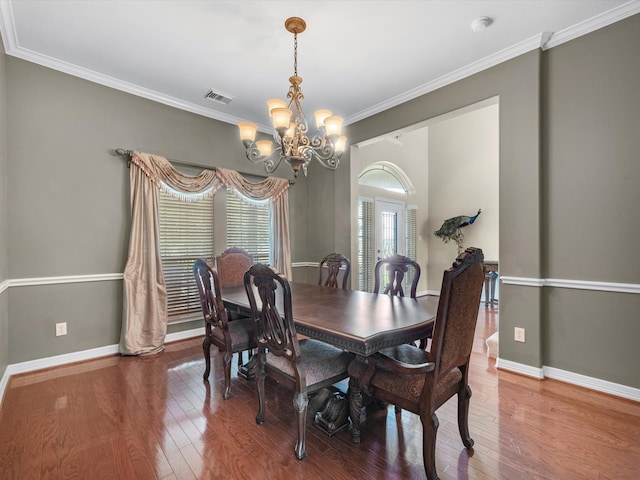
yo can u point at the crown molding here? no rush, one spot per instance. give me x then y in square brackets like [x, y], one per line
[544, 41]
[456, 75]
[590, 25]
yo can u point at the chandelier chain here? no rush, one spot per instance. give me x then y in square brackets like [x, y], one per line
[295, 54]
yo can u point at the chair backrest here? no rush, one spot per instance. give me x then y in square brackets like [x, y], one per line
[333, 262]
[397, 266]
[209, 290]
[274, 332]
[457, 315]
[231, 265]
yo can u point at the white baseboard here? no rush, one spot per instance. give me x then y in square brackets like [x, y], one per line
[520, 368]
[93, 353]
[591, 383]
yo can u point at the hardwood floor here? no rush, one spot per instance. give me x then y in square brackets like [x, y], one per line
[153, 417]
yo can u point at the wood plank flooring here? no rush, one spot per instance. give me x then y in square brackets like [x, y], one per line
[154, 418]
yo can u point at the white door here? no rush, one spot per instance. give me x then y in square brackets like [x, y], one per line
[390, 228]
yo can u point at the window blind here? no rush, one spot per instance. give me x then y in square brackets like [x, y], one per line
[248, 227]
[411, 238]
[365, 245]
[186, 234]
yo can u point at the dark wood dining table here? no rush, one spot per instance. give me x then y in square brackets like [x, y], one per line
[360, 322]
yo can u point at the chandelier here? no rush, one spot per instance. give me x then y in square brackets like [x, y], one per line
[291, 131]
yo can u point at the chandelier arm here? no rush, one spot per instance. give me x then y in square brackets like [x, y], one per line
[271, 162]
[325, 154]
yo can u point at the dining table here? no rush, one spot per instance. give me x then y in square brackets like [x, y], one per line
[359, 322]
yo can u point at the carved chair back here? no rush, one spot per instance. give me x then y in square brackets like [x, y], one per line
[396, 267]
[333, 262]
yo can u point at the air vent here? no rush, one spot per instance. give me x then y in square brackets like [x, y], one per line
[218, 97]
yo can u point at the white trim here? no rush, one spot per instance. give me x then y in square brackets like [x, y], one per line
[576, 284]
[540, 40]
[520, 368]
[28, 282]
[91, 354]
[305, 264]
[454, 76]
[565, 376]
[593, 383]
[508, 280]
[602, 20]
[177, 336]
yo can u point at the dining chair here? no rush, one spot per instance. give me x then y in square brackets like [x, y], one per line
[229, 337]
[303, 365]
[333, 262]
[231, 265]
[396, 268]
[421, 381]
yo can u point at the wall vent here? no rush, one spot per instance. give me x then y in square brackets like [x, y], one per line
[218, 97]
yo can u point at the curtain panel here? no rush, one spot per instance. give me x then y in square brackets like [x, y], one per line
[144, 322]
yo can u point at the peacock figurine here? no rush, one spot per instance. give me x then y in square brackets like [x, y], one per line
[451, 228]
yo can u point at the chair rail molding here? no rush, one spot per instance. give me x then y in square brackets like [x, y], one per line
[575, 284]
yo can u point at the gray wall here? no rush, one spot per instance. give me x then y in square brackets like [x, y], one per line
[4, 249]
[70, 199]
[591, 178]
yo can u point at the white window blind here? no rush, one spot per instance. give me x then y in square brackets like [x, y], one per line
[365, 245]
[186, 234]
[411, 237]
[248, 228]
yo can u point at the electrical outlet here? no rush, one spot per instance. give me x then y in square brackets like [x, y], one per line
[61, 329]
[518, 334]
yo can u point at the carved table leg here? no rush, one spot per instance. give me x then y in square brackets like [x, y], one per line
[360, 373]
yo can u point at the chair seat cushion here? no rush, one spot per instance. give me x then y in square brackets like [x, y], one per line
[320, 361]
[406, 385]
[241, 333]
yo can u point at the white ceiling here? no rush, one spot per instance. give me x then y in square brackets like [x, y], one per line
[356, 57]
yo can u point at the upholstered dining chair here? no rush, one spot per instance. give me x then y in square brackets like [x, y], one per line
[333, 262]
[229, 337]
[421, 381]
[231, 265]
[303, 365]
[396, 268]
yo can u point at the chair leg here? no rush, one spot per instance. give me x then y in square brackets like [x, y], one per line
[300, 404]
[226, 360]
[261, 375]
[430, 430]
[463, 416]
[206, 348]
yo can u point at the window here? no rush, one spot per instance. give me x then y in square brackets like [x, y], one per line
[248, 228]
[186, 234]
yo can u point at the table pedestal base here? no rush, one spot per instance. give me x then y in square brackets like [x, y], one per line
[333, 416]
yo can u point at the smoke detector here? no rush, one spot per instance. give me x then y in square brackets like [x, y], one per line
[479, 24]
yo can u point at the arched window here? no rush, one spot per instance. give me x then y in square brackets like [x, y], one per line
[386, 176]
